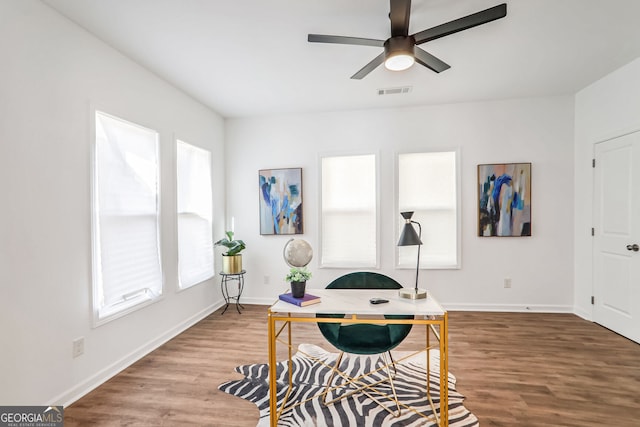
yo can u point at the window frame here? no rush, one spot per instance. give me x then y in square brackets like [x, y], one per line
[398, 221]
[139, 301]
[178, 141]
[349, 264]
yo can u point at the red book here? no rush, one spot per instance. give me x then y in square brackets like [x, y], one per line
[307, 299]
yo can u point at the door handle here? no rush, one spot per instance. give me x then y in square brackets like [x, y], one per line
[633, 247]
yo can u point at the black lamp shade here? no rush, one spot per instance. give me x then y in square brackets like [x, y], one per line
[408, 237]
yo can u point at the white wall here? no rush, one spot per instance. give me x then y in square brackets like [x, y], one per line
[607, 108]
[52, 72]
[530, 130]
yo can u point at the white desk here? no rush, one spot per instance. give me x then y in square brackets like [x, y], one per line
[355, 303]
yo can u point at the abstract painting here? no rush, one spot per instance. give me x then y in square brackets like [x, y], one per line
[280, 201]
[504, 199]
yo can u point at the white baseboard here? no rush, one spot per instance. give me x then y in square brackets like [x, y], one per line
[259, 301]
[512, 308]
[586, 315]
[75, 393]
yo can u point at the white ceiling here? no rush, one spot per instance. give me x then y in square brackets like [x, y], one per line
[251, 57]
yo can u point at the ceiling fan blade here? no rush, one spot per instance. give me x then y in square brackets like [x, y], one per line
[399, 16]
[369, 67]
[431, 62]
[461, 24]
[322, 38]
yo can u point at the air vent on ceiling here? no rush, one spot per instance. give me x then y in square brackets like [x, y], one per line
[394, 90]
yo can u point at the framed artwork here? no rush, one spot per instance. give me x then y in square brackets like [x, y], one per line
[280, 201]
[504, 199]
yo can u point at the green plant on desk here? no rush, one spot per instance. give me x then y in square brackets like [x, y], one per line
[298, 277]
[298, 274]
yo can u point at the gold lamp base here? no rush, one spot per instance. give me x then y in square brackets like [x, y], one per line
[412, 293]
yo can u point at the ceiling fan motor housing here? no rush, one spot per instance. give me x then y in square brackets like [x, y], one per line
[399, 45]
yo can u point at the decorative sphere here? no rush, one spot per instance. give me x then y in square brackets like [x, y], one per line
[297, 253]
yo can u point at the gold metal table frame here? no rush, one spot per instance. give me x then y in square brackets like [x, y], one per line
[427, 312]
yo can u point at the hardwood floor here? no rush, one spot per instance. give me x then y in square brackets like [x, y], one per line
[515, 369]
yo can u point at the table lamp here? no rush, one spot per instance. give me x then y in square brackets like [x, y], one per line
[408, 237]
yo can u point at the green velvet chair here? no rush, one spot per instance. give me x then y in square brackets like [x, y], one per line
[364, 339]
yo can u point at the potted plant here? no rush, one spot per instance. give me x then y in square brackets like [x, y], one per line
[298, 277]
[232, 258]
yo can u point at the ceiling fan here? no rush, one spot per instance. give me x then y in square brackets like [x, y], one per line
[401, 49]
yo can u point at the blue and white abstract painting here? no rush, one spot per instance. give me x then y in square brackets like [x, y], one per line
[504, 192]
[280, 201]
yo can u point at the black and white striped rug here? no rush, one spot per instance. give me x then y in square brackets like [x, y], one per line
[309, 378]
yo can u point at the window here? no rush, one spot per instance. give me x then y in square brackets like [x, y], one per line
[195, 218]
[428, 185]
[126, 248]
[349, 219]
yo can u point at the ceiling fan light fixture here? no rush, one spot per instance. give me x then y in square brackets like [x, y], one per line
[399, 53]
[399, 62]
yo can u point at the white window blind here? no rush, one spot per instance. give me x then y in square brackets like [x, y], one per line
[126, 247]
[349, 219]
[195, 215]
[428, 185]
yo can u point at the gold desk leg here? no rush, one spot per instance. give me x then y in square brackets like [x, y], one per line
[428, 328]
[290, 355]
[272, 371]
[444, 371]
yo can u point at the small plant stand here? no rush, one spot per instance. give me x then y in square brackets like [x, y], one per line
[224, 287]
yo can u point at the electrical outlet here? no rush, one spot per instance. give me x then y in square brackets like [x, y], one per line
[267, 280]
[78, 347]
[507, 282]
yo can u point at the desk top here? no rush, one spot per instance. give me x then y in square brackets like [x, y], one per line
[356, 301]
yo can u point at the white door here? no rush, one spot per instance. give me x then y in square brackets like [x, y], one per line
[617, 235]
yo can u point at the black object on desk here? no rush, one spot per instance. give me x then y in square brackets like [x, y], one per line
[224, 287]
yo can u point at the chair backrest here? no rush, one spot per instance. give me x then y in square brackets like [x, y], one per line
[364, 280]
[364, 338]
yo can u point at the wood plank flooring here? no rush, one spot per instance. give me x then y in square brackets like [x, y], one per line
[515, 369]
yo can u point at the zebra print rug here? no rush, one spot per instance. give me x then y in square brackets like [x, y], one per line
[357, 410]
